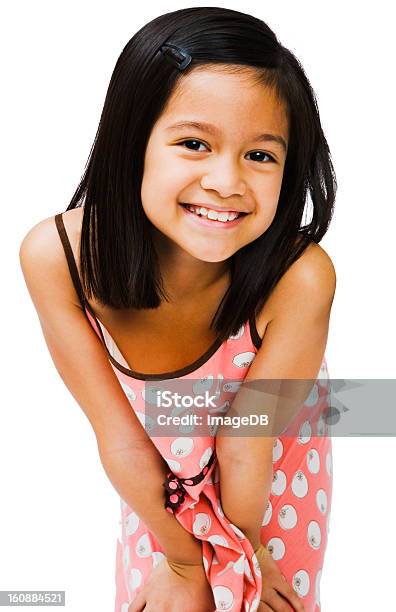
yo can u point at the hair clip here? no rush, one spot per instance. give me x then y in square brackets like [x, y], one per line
[176, 55]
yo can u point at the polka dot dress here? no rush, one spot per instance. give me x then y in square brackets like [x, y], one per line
[296, 521]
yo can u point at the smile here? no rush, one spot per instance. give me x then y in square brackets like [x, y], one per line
[207, 221]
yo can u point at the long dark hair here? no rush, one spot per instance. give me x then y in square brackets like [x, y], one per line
[119, 264]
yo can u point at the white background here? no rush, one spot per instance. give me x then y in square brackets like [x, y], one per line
[59, 511]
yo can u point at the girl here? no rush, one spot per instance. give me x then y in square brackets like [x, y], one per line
[182, 257]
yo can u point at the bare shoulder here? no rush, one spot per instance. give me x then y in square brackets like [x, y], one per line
[42, 257]
[310, 281]
[43, 237]
[312, 271]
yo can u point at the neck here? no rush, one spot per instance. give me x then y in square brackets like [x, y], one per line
[185, 277]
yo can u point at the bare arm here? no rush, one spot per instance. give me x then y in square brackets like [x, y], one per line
[293, 348]
[131, 461]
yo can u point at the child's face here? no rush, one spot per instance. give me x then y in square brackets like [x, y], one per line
[227, 169]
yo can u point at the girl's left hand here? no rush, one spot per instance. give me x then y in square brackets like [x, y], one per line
[175, 587]
[277, 595]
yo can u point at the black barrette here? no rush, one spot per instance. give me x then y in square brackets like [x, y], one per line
[176, 55]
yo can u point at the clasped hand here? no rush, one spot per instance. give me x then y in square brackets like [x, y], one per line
[177, 587]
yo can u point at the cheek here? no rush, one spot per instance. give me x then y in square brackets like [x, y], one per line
[155, 189]
[268, 204]
[263, 218]
[163, 187]
[270, 215]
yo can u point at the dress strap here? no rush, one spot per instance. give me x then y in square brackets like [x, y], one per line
[70, 259]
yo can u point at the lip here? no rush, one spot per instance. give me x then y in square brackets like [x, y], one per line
[213, 207]
[213, 224]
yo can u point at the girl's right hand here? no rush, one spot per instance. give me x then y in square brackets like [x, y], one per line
[276, 594]
[175, 587]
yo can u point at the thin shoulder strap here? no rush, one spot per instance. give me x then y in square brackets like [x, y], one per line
[70, 259]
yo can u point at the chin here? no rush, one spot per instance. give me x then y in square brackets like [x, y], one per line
[209, 257]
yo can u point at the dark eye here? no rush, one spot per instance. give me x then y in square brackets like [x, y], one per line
[261, 153]
[191, 140]
[198, 142]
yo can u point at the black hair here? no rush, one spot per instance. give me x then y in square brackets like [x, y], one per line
[118, 262]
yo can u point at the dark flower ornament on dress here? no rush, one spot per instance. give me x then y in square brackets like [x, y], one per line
[175, 493]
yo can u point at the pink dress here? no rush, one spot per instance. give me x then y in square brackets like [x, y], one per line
[295, 525]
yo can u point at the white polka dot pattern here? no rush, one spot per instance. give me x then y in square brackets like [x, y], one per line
[295, 525]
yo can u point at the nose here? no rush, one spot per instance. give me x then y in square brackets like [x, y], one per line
[224, 177]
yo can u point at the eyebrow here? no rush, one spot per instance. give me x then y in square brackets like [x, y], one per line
[214, 131]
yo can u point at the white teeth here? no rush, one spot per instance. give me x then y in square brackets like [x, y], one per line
[213, 214]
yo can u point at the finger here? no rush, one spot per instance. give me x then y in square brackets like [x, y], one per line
[276, 602]
[138, 604]
[284, 588]
[263, 607]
